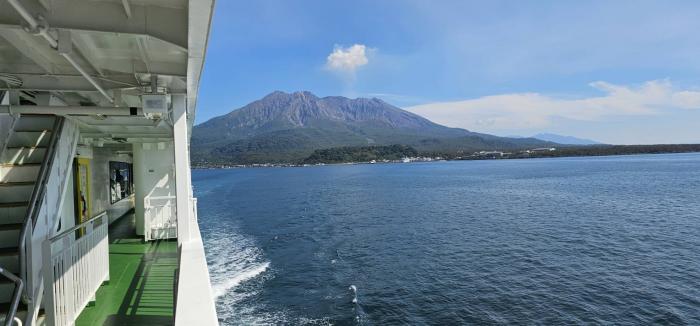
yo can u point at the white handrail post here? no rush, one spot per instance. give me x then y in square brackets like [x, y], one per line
[49, 295]
[182, 161]
[147, 219]
[65, 276]
[105, 243]
[195, 219]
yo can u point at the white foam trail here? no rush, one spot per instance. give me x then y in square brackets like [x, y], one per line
[247, 274]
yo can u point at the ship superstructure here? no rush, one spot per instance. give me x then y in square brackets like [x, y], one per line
[98, 223]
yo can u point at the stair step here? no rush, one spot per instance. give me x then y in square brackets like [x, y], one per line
[15, 204]
[20, 164]
[10, 251]
[10, 227]
[7, 289]
[12, 184]
[15, 192]
[19, 138]
[19, 172]
[27, 147]
[5, 306]
[15, 214]
[33, 130]
[33, 122]
[9, 259]
[9, 234]
[23, 155]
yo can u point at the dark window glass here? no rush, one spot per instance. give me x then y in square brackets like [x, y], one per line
[121, 182]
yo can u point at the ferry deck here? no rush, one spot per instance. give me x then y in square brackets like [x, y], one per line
[98, 222]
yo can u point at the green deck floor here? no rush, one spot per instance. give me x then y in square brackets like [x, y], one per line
[142, 281]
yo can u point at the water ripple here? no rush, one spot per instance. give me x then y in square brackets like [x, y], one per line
[558, 241]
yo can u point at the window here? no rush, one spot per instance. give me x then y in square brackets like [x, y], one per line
[121, 182]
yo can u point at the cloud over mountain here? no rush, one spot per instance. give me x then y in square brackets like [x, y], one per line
[348, 59]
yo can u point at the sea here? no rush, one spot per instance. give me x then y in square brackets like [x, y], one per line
[561, 241]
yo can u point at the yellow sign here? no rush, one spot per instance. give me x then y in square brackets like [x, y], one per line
[82, 190]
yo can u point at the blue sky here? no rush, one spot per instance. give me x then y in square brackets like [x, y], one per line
[614, 71]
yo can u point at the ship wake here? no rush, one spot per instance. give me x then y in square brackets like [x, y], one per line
[247, 274]
[234, 260]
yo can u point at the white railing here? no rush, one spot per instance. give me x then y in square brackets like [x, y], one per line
[160, 218]
[195, 302]
[74, 269]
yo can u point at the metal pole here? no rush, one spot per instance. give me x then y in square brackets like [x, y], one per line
[72, 110]
[36, 27]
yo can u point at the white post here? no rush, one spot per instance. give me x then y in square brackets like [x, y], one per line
[182, 167]
[49, 299]
[105, 242]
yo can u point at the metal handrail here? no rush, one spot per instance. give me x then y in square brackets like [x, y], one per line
[77, 227]
[149, 198]
[37, 197]
[147, 201]
[6, 141]
[19, 284]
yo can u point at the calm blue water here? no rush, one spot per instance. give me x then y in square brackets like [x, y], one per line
[612, 240]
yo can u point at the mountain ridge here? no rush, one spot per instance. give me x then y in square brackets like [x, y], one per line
[564, 139]
[287, 127]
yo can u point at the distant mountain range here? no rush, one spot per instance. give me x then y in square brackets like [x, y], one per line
[568, 140]
[283, 127]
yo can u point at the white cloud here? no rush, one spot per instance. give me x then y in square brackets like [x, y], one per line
[347, 60]
[534, 111]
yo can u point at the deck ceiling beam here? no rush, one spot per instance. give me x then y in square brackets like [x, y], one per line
[31, 47]
[85, 48]
[167, 24]
[137, 67]
[70, 83]
[76, 83]
[127, 8]
[71, 110]
[45, 3]
[144, 54]
[95, 135]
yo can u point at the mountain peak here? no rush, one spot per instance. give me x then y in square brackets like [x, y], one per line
[282, 111]
[284, 95]
[307, 95]
[304, 94]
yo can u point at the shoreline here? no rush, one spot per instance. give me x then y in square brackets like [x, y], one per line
[426, 160]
